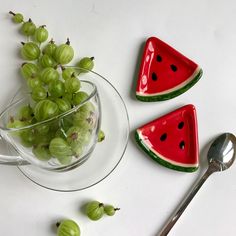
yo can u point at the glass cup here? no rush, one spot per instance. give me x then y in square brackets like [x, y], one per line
[59, 143]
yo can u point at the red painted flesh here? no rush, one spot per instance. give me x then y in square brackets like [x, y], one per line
[168, 124]
[166, 77]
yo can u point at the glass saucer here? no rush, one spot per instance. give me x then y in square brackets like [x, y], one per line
[106, 155]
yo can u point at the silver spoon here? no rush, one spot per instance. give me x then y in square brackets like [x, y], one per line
[221, 156]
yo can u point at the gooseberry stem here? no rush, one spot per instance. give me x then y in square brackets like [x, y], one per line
[58, 224]
[52, 41]
[68, 41]
[73, 75]
[12, 13]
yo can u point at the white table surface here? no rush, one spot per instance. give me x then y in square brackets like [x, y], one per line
[147, 193]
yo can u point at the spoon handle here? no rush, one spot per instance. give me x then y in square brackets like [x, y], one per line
[173, 219]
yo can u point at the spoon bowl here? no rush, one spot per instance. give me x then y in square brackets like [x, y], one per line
[221, 154]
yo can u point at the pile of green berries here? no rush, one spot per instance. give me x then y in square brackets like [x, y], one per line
[55, 89]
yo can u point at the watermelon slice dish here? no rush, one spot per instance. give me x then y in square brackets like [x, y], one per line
[164, 72]
[172, 140]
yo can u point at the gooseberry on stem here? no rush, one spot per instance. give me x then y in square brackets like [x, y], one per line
[30, 51]
[64, 53]
[16, 17]
[95, 210]
[41, 34]
[28, 28]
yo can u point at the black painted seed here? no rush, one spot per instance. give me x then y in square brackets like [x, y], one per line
[173, 68]
[154, 76]
[159, 59]
[163, 137]
[182, 145]
[181, 125]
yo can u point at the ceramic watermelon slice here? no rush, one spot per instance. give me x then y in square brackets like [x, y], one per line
[164, 72]
[172, 140]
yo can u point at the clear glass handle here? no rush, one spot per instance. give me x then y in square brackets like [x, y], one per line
[11, 159]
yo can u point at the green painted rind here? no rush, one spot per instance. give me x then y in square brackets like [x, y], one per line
[172, 94]
[160, 160]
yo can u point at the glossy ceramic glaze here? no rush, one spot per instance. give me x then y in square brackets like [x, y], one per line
[172, 140]
[164, 72]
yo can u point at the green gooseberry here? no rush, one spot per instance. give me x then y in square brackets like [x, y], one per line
[41, 34]
[47, 61]
[30, 51]
[41, 151]
[72, 84]
[63, 104]
[56, 88]
[67, 72]
[28, 28]
[61, 150]
[16, 17]
[50, 48]
[49, 74]
[45, 109]
[28, 70]
[79, 97]
[86, 63]
[110, 210]
[68, 228]
[38, 93]
[101, 136]
[64, 53]
[94, 210]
